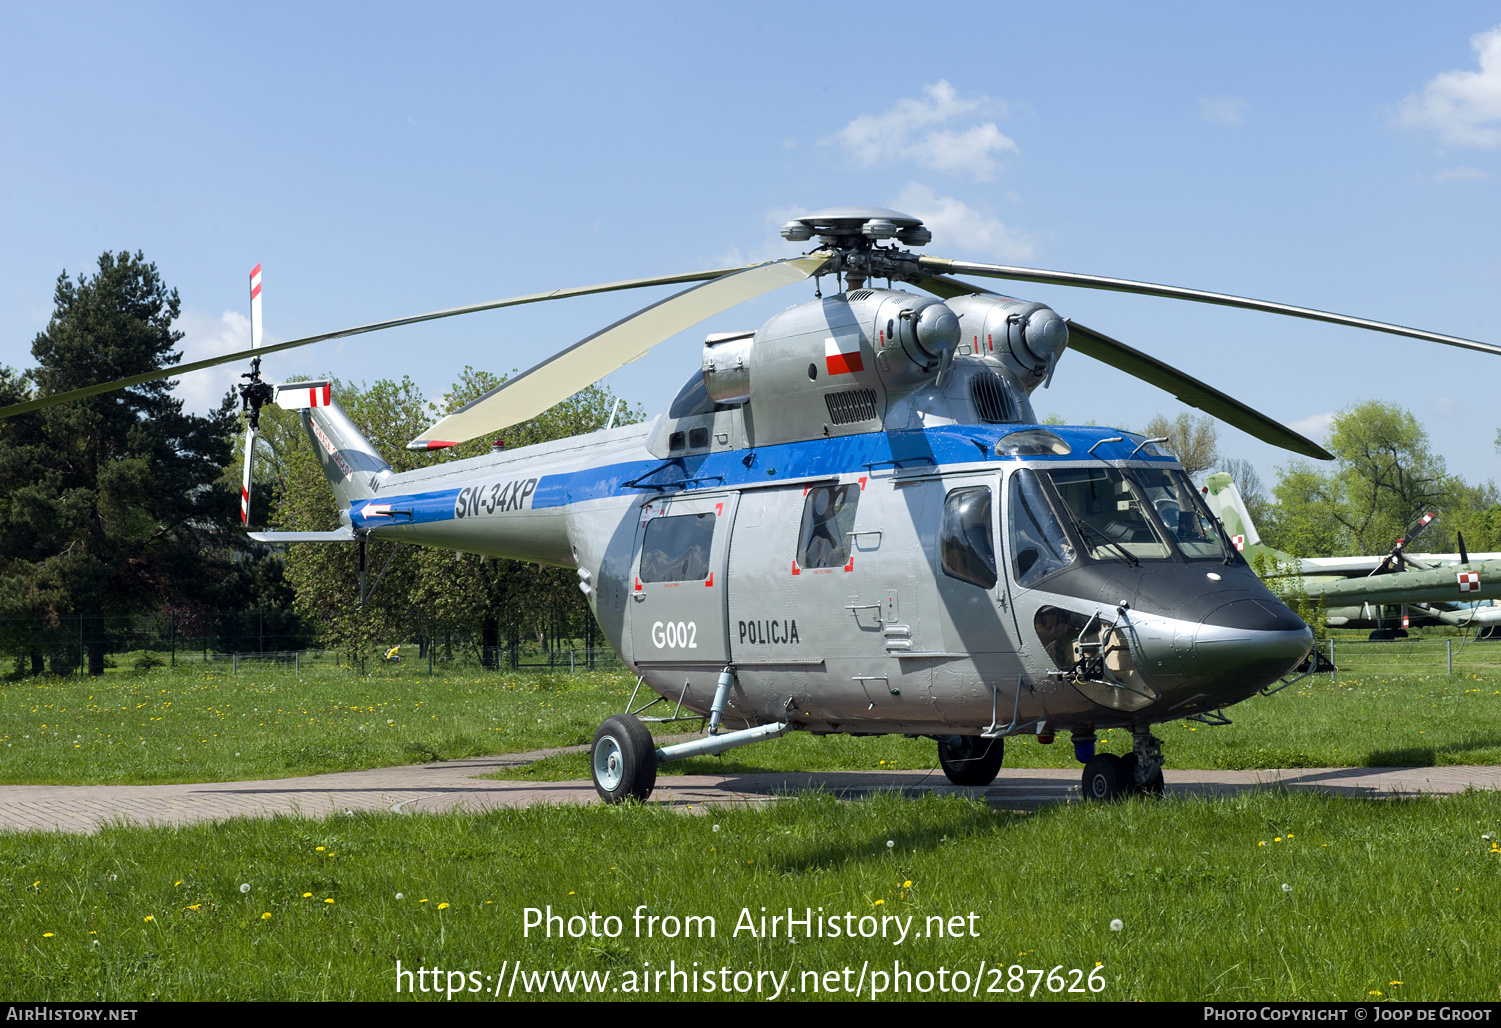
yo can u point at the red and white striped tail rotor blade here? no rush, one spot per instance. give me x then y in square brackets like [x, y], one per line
[255, 307]
[245, 484]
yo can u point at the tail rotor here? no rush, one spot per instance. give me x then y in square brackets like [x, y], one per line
[254, 394]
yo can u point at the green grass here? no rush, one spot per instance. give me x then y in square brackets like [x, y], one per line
[196, 724]
[1259, 896]
[1346, 720]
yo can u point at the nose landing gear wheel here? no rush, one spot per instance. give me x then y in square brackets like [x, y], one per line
[624, 760]
[1153, 786]
[969, 759]
[1104, 779]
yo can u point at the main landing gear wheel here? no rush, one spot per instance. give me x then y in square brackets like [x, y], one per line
[1105, 779]
[623, 759]
[1153, 786]
[970, 759]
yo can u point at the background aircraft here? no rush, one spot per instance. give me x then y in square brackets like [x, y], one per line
[1387, 593]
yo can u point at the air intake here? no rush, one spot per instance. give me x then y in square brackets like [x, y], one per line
[851, 405]
[991, 402]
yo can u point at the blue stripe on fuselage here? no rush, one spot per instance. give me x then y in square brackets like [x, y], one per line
[817, 458]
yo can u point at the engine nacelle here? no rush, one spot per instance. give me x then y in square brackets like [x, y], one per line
[1027, 337]
[911, 336]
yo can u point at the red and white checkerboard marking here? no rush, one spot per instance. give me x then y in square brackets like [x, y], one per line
[1239, 541]
[1469, 581]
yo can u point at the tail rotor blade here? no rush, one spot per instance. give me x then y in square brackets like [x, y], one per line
[245, 483]
[255, 308]
[591, 359]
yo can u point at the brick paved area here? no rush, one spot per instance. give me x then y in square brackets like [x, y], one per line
[449, 785]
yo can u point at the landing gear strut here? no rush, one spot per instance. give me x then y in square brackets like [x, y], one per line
[970, 759]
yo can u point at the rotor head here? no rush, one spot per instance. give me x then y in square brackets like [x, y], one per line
[857, 228]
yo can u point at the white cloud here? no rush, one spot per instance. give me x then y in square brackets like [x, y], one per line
[1463, 107]
[954, 223]
[206, 336]
[1462, 173]
[911, 131]
[1315, 426]
[1227, 110]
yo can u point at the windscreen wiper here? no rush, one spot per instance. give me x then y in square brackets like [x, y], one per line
[1087, 531]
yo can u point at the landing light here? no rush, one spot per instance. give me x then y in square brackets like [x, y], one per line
[1032, 442]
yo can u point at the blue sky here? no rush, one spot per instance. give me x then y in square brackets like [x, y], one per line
[382, 160]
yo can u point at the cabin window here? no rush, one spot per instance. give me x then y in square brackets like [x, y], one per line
[828, 519]
[966, 542]
[698, 438]
[676, 549]
[1109, 514]
[1039, 545]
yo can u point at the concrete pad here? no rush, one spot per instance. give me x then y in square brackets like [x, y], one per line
[452, 785]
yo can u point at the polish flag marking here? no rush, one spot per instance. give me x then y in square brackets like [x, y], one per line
[1469, 581]
[1239, 541]
[842, 356]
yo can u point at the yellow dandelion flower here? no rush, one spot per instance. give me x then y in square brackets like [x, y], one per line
[46, 935]
[1261, 842]
[176, 884]
[442, 906]
[1374, 992]
[329, 900]
[266, 915]
[907, 884]
[319, 849]
[306, 895]
[195, 906]
[148, 917]
[1394, 983]
[422, 901]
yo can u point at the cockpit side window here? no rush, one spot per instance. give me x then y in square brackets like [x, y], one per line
[966, 542]
[1039, 545]
[828, 519]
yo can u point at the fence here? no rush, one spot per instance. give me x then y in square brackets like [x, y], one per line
[1448, 655]
[68, 644]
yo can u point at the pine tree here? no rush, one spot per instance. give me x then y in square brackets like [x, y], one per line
[109, 505]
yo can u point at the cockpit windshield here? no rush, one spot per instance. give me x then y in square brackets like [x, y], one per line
[1109, 514]
[1177, 504]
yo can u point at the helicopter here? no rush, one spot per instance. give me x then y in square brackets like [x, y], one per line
[849, 520]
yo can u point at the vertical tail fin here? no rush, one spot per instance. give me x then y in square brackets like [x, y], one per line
[353, 466]
[1225, 502]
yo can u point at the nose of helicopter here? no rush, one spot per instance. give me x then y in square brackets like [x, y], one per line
[1238, 646]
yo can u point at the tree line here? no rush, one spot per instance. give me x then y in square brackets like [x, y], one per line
[122, 505]
[1385, 477]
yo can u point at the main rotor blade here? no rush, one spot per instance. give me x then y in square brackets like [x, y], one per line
[260, 351]
[1121, 285]
[1186, 388]
[1190, 390]
[591, 359]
